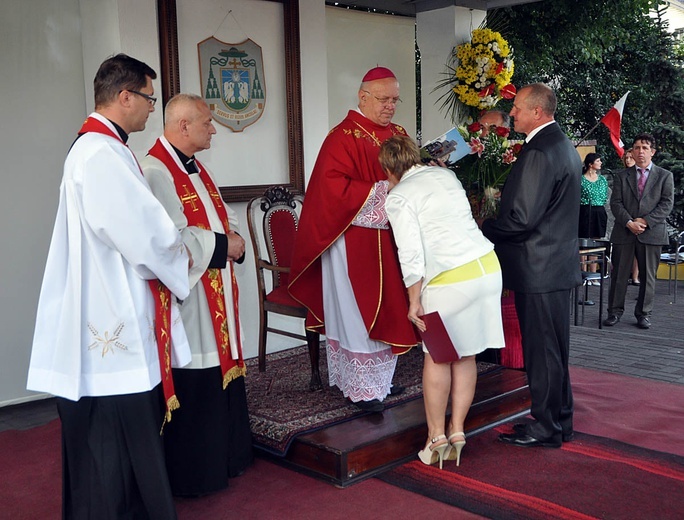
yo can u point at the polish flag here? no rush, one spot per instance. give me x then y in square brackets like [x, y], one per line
[613, 120]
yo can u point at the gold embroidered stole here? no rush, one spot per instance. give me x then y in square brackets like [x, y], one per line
[195, 213]
[162, 302]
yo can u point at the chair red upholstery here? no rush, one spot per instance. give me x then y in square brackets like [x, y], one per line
[273, 221]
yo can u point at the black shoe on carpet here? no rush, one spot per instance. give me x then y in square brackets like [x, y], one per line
[397, 390]
[521, 428]
[611, 320]
[643, 322]
[526, 441]
[370, 406]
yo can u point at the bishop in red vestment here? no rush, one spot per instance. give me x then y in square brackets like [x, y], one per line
[345, 268]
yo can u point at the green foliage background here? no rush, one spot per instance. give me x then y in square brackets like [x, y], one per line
[592, 52]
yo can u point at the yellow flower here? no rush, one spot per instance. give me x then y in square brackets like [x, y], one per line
[485, 64]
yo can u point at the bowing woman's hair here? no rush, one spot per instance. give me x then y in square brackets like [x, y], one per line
[589, 160]
[120, 72]
[398, 154]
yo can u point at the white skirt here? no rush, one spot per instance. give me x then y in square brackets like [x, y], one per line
[471, 312]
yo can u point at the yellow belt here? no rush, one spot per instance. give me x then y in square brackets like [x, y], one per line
[486, 264]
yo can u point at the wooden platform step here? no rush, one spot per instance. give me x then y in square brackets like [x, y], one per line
[349, 452]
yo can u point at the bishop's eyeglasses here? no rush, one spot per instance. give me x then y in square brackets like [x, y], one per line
[385, 100]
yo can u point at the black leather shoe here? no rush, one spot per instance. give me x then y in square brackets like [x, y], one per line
[643, 322]
[397, 390]
[525, 441]
[522, 428]
[611, 320]
[586, 302]
[370, 406]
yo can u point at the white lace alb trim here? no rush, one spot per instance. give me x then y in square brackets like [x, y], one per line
[360, 376]
[373, 214]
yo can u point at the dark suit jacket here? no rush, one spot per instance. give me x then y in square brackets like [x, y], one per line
[535, 234]
[655, 205]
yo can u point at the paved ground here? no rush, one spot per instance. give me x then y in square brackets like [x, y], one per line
[656, 353]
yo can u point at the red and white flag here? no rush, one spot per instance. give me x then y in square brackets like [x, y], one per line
[613, 120]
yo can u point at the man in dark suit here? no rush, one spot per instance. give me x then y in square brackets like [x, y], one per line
[642, 199]
[535, 236]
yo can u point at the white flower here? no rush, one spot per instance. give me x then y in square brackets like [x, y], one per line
[491, 193]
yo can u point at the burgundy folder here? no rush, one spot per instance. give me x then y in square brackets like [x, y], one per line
[436, 339]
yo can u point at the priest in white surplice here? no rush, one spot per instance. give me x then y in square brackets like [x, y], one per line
[115, 267]
[209, 439]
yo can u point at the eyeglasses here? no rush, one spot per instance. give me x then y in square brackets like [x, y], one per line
[385, 100]
[151, 100]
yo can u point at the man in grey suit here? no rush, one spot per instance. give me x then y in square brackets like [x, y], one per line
[535, 236]
[642, 199]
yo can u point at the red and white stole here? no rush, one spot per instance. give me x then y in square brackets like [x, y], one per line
[162, 300]
[195, 213]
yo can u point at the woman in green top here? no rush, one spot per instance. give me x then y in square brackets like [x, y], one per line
[593, 217]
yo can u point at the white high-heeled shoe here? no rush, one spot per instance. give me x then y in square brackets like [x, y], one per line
[456, 447]
[431, 453]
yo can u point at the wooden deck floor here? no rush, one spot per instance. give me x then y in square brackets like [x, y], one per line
[349, 452]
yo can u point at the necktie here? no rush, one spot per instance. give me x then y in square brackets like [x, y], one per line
[642, 182]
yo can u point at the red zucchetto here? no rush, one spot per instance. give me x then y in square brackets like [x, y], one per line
[378, 73]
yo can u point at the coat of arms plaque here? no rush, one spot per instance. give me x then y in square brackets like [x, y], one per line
[231, 76]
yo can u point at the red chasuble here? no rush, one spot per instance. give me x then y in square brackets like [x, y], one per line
[162, 301]
[211, 279]
[341, 182]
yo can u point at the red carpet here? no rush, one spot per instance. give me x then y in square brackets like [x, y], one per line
[634, 411]
[31, 489]
[32, 473]
[631, 466]
[629, 409]
[592, 477]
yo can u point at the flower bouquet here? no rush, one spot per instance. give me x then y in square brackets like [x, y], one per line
[481, 76]
[483, 172]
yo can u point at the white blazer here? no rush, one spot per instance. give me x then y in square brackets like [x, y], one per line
[433, 224]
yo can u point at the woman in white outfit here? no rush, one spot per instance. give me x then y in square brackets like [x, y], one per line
[450, 267]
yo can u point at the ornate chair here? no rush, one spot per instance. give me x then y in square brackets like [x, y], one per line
[273, 221]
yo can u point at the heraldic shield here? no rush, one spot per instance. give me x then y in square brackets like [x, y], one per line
[231, 75]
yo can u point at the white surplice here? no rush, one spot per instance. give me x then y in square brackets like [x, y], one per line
[201, 243]
[94, 333]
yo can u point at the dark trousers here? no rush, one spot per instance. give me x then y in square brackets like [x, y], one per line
[113, 459]
[209, 439]
[545, 327]
[648, 258]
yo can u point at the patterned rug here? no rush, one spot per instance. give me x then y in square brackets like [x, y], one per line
[281, 406]
[591, 477]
